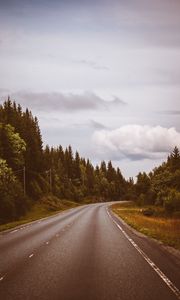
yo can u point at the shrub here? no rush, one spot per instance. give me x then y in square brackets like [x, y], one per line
[172, 201]
[148, 212]
[12, 201]
[141, 200]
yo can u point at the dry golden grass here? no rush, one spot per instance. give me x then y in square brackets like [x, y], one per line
[165, 229]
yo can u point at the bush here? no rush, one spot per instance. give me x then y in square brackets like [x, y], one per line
[150, 197]
[160, 197]
[7, 207]
[13, 204]
[148, 212]
[172, 201]
[141, 200]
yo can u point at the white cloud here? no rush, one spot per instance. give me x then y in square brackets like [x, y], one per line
[135, 142]
[92, 64]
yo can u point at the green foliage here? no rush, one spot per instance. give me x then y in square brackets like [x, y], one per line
[172, 201]
[162, 185]
[174, 160]
[74, 177]
[12, 147]
[35, 190]
[143, 183]
[141, 199]
[175, 180]
[59, 172]
[28, 130]
[12, 201]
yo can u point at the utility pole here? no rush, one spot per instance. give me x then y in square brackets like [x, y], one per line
[24, 180]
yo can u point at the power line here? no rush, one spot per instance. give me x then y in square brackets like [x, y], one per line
[18, 171]
[24, 170]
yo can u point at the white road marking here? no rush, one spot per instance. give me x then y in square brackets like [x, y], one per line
[1, 278]
[47, 243]
[14, 231]
[31, 255]
[167, 281]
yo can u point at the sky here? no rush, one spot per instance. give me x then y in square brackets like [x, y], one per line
[103, 76]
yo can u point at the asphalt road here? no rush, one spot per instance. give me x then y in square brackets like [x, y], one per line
[84, 254]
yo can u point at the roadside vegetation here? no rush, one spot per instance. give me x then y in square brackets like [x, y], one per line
[155, 209]
[153, 221]
[45, 207]
[161, 187]
[31, 171]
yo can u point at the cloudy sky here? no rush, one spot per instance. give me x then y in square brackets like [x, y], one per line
[101, 75]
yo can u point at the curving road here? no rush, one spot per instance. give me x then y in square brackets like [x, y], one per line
[84, 253]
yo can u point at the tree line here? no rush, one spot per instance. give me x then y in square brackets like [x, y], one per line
[47, 170]
[29, 171]
[161, 186]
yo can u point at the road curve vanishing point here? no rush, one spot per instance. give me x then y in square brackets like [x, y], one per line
[84, 253]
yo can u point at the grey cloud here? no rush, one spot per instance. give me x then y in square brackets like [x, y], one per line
[63, 102]
[97, 125]
[94, 65]
[170, 112]
[116, 100]
[170, 75]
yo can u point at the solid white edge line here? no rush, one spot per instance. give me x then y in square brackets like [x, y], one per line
[165, 279]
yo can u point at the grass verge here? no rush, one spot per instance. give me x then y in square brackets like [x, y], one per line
[159, 226]
[46, 207]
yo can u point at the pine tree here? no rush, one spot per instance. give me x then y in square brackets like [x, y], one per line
[77, 169]
[111, 172]
[103, 168]
[174, 160]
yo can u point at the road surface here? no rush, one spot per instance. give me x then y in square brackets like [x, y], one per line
[86, 254]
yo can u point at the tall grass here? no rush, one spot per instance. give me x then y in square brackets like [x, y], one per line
[166, 229]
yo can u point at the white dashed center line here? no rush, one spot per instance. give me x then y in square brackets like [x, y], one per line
[31, 255]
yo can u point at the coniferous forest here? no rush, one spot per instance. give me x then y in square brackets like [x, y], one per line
[29, 171]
